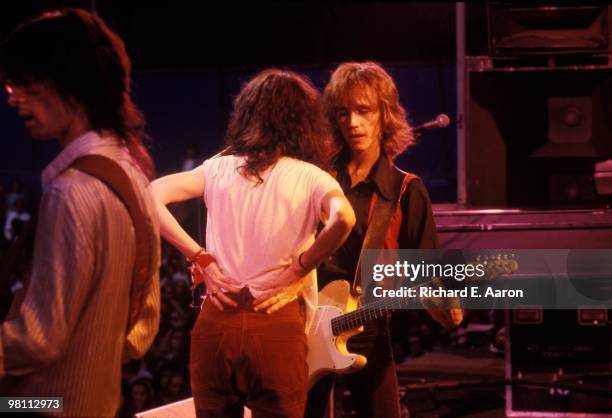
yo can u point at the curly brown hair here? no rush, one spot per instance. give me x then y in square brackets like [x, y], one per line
[277, 113]
[370, 79]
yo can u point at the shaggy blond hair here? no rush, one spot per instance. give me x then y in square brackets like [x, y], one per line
[372, 81]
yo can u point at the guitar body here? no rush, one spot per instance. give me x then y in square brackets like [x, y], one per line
[327, 353]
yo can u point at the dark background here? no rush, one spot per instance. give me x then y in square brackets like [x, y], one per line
[189, 62]
[190, 59]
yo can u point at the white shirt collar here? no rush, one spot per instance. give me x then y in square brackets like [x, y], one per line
[89, 143]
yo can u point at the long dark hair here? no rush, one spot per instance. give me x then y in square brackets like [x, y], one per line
[74, 51]
[277, 113]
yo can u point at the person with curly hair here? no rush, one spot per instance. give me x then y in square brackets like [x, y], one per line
[264, 197]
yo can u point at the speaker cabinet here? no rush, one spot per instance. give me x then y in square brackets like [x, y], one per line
[549, 346]
[528, 29]
[534, 136]
[537, 103]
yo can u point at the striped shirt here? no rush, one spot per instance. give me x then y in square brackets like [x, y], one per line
[68, 337]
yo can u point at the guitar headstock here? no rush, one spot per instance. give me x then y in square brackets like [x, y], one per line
[496, 265]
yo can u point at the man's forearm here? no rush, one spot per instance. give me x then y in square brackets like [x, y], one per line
[331, 237]
[172, 231]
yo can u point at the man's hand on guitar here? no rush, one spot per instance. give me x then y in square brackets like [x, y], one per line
[217, 284]
[447, 318]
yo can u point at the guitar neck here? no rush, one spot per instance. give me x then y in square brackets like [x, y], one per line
[373, 310]
[365, 313]
[349, 321]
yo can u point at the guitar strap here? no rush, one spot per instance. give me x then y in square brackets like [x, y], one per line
[381, 212]
[113, 175]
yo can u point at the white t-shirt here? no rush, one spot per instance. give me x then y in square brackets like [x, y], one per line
[254, 230]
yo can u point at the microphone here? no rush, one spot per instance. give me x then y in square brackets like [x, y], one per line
[441, 121]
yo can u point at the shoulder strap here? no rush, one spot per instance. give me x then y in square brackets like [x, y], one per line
[113, 175]
[380, 219]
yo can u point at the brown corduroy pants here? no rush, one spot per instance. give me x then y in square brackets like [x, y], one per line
[241, 357]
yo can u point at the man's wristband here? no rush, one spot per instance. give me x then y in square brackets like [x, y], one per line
[202, 258]
[303, 270]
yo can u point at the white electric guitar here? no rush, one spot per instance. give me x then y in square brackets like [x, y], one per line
[338, 318]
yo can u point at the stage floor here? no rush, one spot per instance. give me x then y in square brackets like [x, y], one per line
[453, 383]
